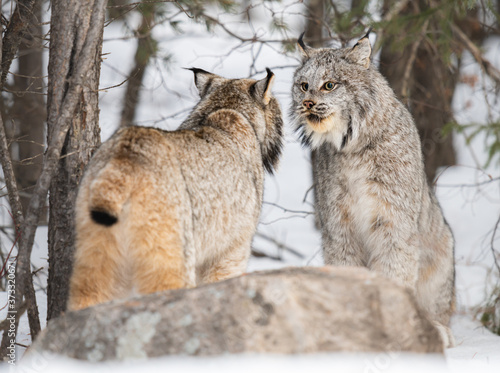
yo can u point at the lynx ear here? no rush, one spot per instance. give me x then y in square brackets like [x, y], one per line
[262, 89]
[202, 79]
[360, 53]
[304, 49]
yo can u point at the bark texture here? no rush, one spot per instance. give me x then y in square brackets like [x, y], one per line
[70, 24]
[29, 111]
[145, 49]
[288, 311]
[424, 81]
[16, 29]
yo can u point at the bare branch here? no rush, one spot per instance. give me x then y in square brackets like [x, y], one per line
[280, 245]
[411, 61]
[14, 33]
[389, 16]
[493, 251]
[259, 254]
[485, 65]
[305, 213]
[10, 179]
[15, 203]
[4, 325]
[135, 5]
[475, 185]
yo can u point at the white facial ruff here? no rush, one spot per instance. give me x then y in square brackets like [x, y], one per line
[331, 129]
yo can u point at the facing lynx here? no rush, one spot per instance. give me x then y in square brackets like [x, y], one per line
[161, 210]
[374, 204]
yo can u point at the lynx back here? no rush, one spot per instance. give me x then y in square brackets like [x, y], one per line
[160, 210]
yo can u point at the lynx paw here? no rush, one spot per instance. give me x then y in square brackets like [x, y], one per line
[446, 335]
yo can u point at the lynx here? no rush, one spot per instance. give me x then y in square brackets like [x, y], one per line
[374, 204]
[162, 210]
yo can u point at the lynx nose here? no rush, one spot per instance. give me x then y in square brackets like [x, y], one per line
[308, 104]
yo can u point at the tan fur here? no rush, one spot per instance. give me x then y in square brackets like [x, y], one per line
[161, 210]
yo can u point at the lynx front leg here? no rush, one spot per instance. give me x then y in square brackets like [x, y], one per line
[393, 257]
[340, 246]
[232, 264]
[446, 334]
[341, 250]
[436, 282]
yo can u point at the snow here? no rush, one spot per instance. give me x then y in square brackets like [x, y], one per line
[170, 93]
[475, 344]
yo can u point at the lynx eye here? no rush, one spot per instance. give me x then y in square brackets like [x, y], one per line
[304, 86]
[329, 86]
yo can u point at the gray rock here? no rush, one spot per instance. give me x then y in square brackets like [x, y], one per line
[290, 311]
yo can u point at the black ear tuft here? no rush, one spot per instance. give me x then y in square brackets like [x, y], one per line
[368, 33]
[196, 70]
[304, 49]
[300, 41]
[202, 79]
[262, 88]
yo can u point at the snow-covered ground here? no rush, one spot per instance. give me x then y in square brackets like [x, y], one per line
[169, 92]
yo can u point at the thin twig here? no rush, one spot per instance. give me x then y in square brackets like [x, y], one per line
[475, 185]
[311, 188]
[260, 254]
[114, 86]
[128, 5]
[279, 244]
[493, 251]
[411, 61]
[8, 256]
[4, 325]
[288, 210]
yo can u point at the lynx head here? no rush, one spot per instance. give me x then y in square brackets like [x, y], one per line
[333, 92]
[252, 99]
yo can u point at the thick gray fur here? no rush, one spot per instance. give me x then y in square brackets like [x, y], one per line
[374, 203]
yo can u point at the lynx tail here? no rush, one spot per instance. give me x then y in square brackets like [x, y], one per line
[108, 193]
[103, 218]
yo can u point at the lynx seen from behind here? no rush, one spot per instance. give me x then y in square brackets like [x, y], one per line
[160, 210]
[374, 203]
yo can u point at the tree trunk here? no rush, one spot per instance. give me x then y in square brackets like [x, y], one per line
[29, 112]
[69, 26]
[145, 49]
[314, 27]
[429, 94]
[424, 81]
